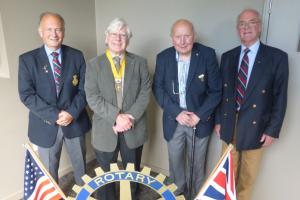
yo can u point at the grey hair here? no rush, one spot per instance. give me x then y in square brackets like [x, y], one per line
[44, 14]
[117, 24]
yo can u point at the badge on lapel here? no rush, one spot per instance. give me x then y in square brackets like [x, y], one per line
[201, 77]
[75, 80]
[45, 67]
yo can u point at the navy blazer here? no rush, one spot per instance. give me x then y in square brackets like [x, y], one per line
[265, 101]
[203, 88]
[38, 93]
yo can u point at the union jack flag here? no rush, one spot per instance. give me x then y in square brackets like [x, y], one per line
[37, 185]
[220, 185]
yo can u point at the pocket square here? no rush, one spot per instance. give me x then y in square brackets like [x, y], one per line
[201, 77]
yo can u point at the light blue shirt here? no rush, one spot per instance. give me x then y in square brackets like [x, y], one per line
[183, 71]
[251, 55]
[50, 57]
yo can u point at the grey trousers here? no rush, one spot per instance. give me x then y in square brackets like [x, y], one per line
[180, 149]
[76, 149]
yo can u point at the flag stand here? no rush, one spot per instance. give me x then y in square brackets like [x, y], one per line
[190, 188]
[45, 171]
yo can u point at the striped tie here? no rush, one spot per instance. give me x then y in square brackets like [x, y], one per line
[242, 79]
[57, 71]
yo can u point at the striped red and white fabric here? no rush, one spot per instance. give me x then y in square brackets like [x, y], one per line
[37, 186]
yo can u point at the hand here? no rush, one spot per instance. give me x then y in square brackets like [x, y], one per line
[124, 122]
[217, 129]
[64, 118]
[194, 119]
[267, 140]
[184, 118]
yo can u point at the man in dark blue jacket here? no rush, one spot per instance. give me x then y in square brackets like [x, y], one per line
[255, 81]
[187, 86]
[51, 86]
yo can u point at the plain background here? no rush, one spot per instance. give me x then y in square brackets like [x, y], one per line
[150, 21]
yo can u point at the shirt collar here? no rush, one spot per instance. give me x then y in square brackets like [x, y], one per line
[49, 51]
[114, 55]
[253, 48]
[179, 60]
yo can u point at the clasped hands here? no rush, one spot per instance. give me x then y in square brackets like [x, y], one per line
[187, 118]
[64, 118]
[124, 122]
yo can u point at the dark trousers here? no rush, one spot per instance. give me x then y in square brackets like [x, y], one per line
[128, 155]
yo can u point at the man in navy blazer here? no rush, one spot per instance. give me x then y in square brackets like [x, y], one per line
[187, 86]
[53, 91]
[256, 120]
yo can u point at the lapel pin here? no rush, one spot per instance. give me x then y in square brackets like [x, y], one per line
[45, 69]
[197, 54]
[201, 77]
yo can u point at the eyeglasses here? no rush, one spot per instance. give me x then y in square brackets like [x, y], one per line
[252, 23]
[123, 36]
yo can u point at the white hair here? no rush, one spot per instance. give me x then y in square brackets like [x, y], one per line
[117, 24]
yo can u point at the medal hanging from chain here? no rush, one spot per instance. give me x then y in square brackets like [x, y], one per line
[117, 70]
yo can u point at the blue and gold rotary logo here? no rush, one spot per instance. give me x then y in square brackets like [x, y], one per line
[124, 177]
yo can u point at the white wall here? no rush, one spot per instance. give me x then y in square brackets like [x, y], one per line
[279, 176]
[20, 23]
[150, 21]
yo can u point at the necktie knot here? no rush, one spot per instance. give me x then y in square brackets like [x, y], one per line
[54, 54]
[246, 51]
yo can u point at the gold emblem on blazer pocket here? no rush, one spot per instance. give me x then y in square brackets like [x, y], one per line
[75, 80]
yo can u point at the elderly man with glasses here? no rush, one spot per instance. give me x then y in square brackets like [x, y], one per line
[118, 87]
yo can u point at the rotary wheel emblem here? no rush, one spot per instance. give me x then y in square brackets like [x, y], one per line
[124, 177]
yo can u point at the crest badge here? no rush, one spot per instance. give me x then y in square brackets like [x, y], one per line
[75, 80]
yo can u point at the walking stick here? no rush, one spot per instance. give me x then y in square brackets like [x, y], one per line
[192, 164]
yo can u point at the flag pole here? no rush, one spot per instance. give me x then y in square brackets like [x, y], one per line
[229, 148]
[43, 168]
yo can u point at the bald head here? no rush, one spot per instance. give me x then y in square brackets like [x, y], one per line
[183, 37]
[182, 23]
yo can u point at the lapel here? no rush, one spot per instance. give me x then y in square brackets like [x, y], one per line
[129, 67]
[195, 57]
[257, 71]
[233, 68]
[105, 70]
[46, 67]
[173, 72]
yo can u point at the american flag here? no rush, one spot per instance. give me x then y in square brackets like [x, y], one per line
[37, 185]
[220, 185]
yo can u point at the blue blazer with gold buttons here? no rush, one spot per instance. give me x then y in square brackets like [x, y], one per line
[37, 91]
[203, 88]
[265, 99]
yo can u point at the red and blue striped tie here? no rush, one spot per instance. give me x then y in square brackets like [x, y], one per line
[242, 79]
[57, 71]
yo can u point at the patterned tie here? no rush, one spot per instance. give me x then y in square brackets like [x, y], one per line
[242, 79]
[57, 71]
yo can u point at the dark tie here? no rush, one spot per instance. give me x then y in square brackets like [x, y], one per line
[117, 62]
[242, 80]
[57, 71]
[118, 92]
